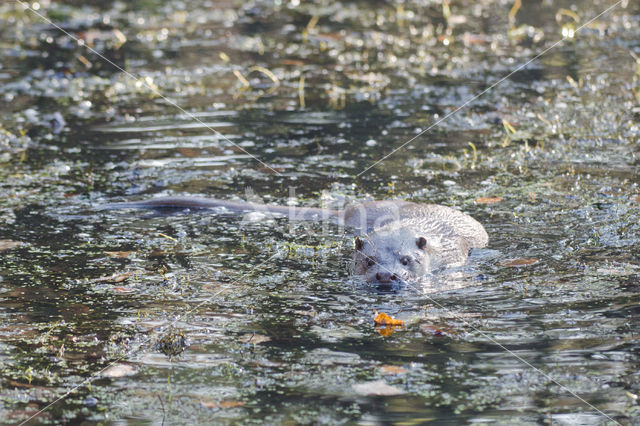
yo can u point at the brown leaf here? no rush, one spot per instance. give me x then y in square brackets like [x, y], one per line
[270, 170]
[20, 384]
[637, 198]
[190, 152]
[119, 254]
[210, 287]
[9, 244]
[488, 200]
[115, 278]
[118, 289]
[517, 263]
[222, 404]
[157, 253]
[254, 338]
[216, 287]
[266, 363]
[392, 369]
[209, 404]
[468, 38]
[295, 62]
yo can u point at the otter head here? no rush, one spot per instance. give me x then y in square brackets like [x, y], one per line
[392, 256]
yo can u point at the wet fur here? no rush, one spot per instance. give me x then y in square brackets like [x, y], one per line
[397, 240]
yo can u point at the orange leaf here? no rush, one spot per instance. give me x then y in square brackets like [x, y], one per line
[231, 404]
[384, 319]
[386, 331]
[209, 404]
[490, 200]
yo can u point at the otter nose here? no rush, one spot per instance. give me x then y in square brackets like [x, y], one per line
[385, 277]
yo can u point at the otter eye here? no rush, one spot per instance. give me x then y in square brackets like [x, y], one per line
[370, 261]
[405, 260]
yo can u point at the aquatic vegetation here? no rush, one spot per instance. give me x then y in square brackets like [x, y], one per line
[201, 318]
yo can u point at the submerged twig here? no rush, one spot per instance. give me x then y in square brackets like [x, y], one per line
[163, 411]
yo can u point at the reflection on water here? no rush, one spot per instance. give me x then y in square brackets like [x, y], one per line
[276, 327]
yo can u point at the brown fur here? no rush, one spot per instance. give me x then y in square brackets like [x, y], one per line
[400, 240]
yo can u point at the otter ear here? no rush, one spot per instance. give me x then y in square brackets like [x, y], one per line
[421, 242]
[359, 244]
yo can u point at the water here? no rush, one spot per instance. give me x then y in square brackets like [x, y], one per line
[263, 322]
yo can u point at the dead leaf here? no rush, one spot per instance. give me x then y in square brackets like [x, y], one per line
[84, 61]
[189, 152]
[20, 384]
[254, 338]
[384, 319]
[390, 324]
[270, 171]
[218, 288]
[517, 263]
[115, 278]
[387, 331]
[268, 364]
[222, 404]
[17, 416]
[392, 369]
[9, 244]
[118, 289]
[488, 200]
[468, 38]
[295, 62]
[231, 404]
[119, 254]
[119, 370]
[209, 404]
[637, 198]
[376, 388]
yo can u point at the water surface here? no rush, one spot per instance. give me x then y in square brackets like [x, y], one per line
[214, 320]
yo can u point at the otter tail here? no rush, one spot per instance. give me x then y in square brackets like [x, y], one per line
[197, 203]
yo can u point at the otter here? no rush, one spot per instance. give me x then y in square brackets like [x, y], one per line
[396, 241]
